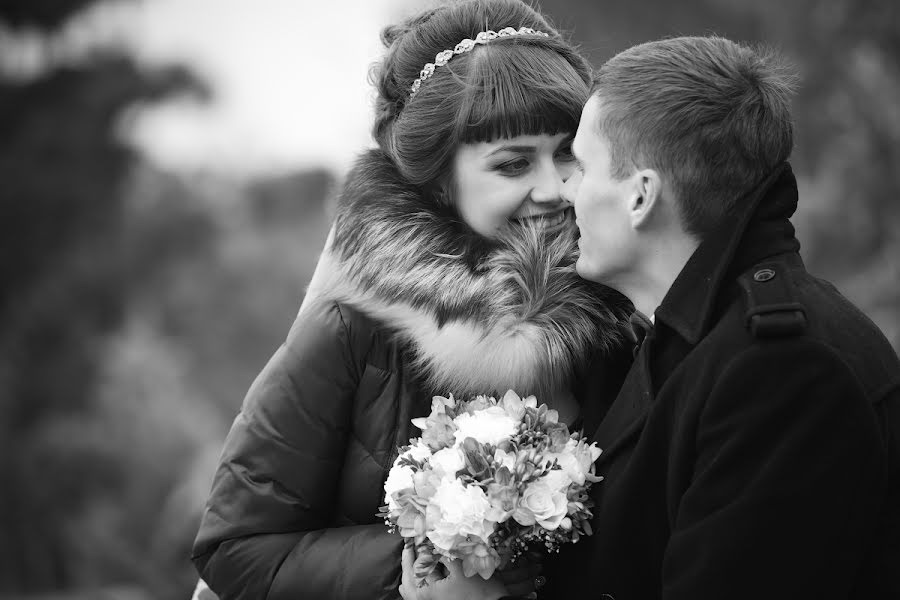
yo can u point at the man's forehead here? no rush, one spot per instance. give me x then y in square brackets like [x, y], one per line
[588, 127]
[592, 113]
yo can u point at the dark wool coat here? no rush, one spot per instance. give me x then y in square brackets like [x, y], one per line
[392, 317]
[754, 449]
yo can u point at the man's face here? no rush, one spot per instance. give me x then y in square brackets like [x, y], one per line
[601, 205]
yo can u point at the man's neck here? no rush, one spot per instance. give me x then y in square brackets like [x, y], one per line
[662, 265]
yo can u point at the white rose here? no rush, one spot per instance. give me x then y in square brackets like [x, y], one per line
[558, 480]
[488, 426]
[448, 461]
[399, 478]
[542, 504]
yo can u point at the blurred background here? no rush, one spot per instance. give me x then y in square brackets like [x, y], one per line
[167, 173]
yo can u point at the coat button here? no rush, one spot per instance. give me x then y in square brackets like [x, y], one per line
[764, 275]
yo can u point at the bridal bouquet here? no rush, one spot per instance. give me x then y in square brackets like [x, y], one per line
[487, 479]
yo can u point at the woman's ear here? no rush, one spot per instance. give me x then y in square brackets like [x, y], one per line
[646, 195]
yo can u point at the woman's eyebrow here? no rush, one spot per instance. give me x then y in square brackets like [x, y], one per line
[512, 148]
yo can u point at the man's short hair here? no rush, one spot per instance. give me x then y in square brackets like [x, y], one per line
[711, 115]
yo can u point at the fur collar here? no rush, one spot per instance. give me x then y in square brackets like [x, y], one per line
[479, 316]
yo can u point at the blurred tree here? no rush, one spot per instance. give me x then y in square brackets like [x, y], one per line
[291, 198]
[60, 217]
[199, 328]
[63, 282]
[44, 14]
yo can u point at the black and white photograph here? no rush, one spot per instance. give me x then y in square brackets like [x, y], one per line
[449, 300]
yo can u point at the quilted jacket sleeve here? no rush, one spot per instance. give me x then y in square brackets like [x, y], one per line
[265, 533]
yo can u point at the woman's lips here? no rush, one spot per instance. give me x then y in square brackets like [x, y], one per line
[547, 220]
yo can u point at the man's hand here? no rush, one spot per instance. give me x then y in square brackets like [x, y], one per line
[455, 586]
[523, 577]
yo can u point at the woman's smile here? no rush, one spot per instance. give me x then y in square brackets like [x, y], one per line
[548, 221]
[515, 180]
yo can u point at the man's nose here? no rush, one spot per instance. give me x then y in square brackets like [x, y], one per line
[570, 187]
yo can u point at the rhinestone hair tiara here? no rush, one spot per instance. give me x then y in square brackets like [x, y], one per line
[442, 58]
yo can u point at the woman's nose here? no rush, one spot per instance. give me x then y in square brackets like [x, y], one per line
[548, 187]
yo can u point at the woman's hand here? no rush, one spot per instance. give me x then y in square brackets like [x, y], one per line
[455, 586]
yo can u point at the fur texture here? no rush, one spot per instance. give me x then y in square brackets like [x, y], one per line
[481, 316]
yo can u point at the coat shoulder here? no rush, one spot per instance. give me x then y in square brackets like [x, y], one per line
[364, 338]
[781, 301]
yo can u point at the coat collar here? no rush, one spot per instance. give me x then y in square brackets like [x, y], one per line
[759, 229]
[479, 317]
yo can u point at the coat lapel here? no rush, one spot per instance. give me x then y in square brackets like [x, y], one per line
[627, 414]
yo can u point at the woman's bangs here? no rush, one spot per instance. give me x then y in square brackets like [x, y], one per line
[520, 90]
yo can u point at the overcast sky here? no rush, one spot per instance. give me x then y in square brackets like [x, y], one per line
[289, 77]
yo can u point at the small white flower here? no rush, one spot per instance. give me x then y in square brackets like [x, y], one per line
[439, 406]
[399, 478]
[513, 405]
[448, 461]
[576, 459]
[458, 510]
[489, 426]
[505, 459]
[418, 452]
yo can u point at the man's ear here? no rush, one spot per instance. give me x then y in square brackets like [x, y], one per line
[646, 197]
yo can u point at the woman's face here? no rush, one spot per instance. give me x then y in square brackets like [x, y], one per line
[513, 180]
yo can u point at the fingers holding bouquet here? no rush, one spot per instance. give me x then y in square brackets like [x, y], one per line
[487, 483]
[453, 586]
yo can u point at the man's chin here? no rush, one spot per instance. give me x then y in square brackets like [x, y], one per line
[584, 270]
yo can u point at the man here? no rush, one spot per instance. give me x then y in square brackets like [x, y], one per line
[753, 449]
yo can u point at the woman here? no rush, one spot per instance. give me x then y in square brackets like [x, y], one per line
[449, 269]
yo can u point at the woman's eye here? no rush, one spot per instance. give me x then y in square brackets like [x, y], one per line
[513, 167]
[565, 153]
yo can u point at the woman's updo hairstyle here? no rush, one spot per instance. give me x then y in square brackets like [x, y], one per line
[518, 85]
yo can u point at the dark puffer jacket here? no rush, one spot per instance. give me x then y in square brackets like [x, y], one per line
[293, 505]
[292, 511]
